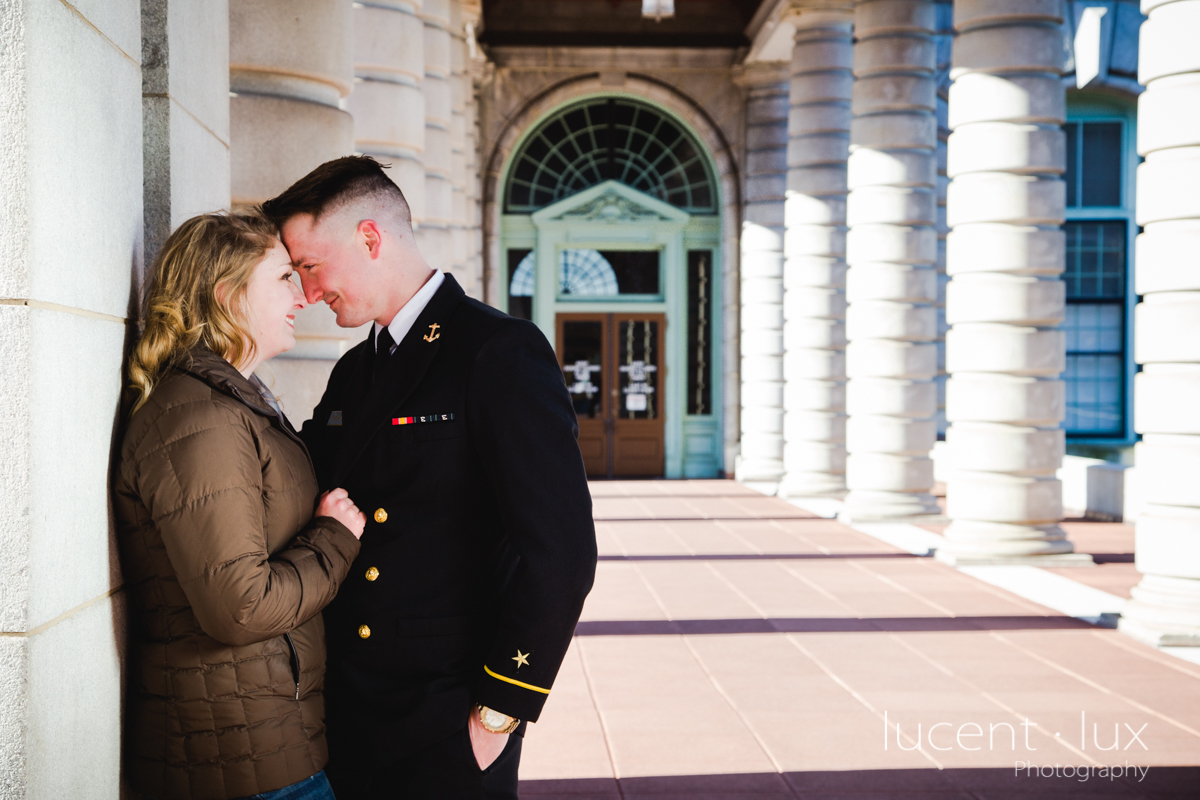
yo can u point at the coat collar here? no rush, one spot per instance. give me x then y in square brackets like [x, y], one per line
[204, 364]
[404, 372]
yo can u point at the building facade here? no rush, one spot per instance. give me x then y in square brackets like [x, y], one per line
[791, 242]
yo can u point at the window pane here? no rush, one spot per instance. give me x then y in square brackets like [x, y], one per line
[637, 370]
[591, 273]
[1094, 395]
[615, 138]
[1072, 173]
[1101, 184]
[582, 363]
[520, 283]
[699, 397]
[1095, 260]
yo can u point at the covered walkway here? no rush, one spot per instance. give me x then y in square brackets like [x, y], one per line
[737, 646]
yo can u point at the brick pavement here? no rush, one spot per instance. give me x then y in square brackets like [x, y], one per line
[737, 647]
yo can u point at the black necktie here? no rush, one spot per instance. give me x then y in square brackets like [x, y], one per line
[383, 351]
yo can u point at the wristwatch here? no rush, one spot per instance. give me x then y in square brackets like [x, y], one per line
[495, 722]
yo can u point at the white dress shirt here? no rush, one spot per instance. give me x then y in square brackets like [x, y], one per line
[407, 315]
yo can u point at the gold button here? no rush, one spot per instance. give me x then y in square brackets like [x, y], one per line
[364, 631]
[380, 515]
[372, 574]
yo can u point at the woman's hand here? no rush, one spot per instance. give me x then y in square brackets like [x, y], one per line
[337, 504]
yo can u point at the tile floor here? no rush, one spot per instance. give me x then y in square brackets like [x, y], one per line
[737, 647]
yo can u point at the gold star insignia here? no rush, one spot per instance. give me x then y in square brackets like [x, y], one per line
[522, 659]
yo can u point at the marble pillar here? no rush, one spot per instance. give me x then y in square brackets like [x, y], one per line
[291, 66]
[387, 105]
[761, 457]
[814, 282]
[1005, 300]
[1166, 603]
[891, 285]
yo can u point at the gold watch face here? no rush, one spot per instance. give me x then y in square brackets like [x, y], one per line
[493, 720]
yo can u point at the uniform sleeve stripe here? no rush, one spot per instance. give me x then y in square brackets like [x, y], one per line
[515, 683]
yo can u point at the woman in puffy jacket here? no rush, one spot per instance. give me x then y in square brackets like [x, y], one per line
[227, 565]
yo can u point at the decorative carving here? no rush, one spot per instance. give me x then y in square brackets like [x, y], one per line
[612, 207]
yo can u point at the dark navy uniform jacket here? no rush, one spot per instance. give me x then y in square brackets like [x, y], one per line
[479, 546]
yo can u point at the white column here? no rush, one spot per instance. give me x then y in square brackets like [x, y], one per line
[891, 322]
[761, 457]
[291, 64]
[814, 301]
[434, 235]
[387, 105]
[1006, 251]
[1166, 604]
[185, 114]
[460, 142]
[944, 40]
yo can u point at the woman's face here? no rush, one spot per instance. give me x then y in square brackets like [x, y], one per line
[272, 300]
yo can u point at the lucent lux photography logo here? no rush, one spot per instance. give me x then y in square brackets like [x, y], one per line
[972, 736]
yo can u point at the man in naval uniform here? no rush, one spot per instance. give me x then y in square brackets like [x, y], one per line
[451, 427]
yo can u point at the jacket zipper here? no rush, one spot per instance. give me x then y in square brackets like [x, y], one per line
[295, 663]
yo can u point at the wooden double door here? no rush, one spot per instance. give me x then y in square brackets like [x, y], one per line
[615, 372]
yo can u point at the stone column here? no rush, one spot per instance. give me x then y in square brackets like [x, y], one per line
[387, 105]
[1166, 604]
[434, 235]
[185, 114]
[944, 40]
[761, 457]
[891, 322]
[290, 67]
[814, 301]
[113, 124]
[460, 142]
[1005, 253]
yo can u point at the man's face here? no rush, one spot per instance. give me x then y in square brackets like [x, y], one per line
[333, 266]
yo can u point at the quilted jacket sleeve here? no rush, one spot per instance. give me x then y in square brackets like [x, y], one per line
[202, 485]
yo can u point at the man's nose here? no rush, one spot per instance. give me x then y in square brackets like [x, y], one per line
[312, 291]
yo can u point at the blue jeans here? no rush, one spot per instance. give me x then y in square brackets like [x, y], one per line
[315, 788]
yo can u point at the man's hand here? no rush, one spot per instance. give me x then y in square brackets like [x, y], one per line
[486, 745]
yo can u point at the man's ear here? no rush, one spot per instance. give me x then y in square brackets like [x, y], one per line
[371, 237]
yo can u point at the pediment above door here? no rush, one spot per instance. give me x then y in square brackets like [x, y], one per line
[611, 203]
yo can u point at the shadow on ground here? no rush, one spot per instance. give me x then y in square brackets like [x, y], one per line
[1157, 783]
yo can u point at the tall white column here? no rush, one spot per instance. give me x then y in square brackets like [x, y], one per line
[891, 322]
[1166, 603]
[1006, 251]
[944, 40]
[434, 235]
[814, 300]
[387, 105]
[761, 457]
[291, 64]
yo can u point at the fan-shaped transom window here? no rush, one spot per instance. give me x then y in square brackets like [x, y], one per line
[610, 139]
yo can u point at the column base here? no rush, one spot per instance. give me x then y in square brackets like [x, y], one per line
[874, 506]
[758, 470]
[976, 542]
[992, 560]
[1164, 612]
[799, 485]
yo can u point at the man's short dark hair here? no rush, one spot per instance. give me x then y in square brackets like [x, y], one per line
[333, 185]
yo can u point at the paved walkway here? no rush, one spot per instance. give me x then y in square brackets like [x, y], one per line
[738, 647]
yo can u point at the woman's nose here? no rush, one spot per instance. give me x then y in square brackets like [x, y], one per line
[298, 296]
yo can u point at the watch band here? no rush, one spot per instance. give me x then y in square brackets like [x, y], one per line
[496, 722]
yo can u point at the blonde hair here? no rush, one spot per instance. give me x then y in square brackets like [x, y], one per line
[195, 294]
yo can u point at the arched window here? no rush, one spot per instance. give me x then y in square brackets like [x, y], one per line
[610, 139]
